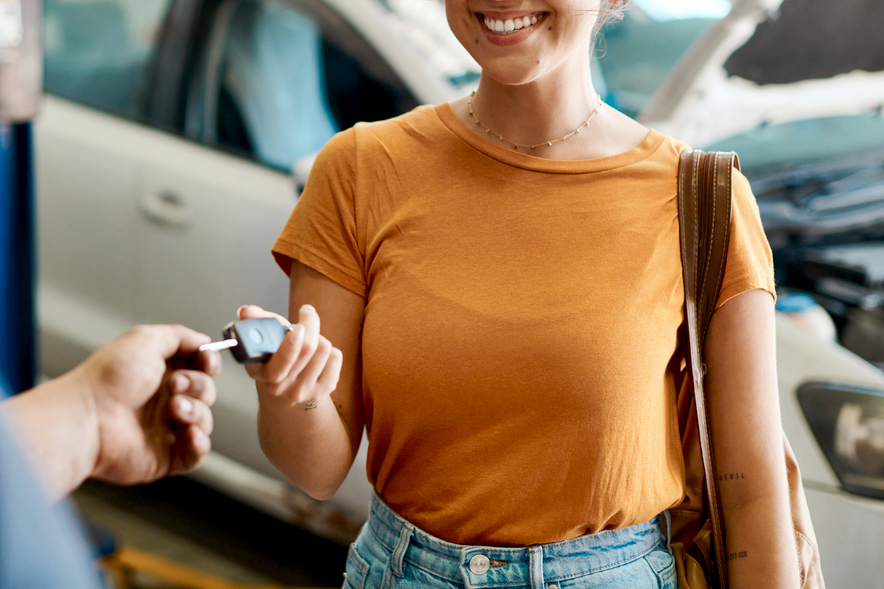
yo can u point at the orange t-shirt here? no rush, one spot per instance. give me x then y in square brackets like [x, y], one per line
[521, 344]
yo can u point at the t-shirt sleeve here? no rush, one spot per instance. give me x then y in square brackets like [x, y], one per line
[321, 232]
[749, 260]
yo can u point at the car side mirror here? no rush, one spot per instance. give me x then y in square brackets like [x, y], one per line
[848, 423]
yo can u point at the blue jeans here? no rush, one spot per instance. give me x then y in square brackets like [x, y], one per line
[392, 553]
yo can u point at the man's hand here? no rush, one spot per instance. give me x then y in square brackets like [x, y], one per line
[133, 412]
[151, 391]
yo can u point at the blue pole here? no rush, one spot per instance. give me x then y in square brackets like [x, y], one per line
[18, 350]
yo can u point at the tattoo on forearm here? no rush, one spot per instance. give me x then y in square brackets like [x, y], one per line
[731, 476]
[737, 555]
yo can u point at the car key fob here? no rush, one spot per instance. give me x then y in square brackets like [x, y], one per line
[257, 339]
[250, 340]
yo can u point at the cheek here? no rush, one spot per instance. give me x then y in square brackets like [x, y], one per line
[459, 21]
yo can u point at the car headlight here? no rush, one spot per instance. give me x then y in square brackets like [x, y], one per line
[848, 423]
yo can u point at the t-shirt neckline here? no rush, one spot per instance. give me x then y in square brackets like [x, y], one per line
[651, 143]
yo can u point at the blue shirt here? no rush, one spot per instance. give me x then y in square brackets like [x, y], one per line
[41, 545]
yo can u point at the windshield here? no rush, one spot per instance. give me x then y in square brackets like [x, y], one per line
[635, 56]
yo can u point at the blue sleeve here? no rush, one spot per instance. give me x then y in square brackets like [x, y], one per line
[41, 545]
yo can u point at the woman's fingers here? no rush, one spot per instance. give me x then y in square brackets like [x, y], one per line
[306, 381]
[282, 365]
[256, 312]
[307, 317]
[328, 380]
[305, 366]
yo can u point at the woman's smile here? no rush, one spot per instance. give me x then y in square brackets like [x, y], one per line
[509, 28]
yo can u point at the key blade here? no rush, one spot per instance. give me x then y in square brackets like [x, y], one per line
[222, 345]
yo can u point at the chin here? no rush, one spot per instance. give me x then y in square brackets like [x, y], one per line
[511, 75]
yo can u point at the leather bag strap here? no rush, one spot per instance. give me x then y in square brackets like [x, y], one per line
[704, 213]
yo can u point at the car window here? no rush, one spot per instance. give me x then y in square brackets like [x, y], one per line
[285, 84]
[98, 52]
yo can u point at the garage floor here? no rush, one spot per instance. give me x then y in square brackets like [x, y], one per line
[185, 522]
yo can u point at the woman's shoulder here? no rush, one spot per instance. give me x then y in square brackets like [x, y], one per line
[422, 119]
[373, 146]
[366, 138]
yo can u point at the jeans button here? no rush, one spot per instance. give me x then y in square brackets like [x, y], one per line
[480, 564]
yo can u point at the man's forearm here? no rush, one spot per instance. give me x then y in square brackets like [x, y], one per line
[57, 429]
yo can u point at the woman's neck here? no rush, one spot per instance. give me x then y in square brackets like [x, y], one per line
[537, 112]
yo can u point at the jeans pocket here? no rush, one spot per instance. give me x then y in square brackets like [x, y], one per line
[356, 570]
[662, 563]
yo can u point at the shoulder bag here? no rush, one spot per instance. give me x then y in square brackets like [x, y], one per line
[697, 527]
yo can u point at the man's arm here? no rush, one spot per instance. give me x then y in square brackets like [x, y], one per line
[136, 410]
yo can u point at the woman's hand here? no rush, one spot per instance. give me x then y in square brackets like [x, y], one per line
[310, 418]
[305, 368]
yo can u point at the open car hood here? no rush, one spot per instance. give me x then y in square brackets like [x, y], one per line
[772, 61]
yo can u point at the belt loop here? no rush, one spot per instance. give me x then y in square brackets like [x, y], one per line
[401, 547]
[536, 564]
[668, 528]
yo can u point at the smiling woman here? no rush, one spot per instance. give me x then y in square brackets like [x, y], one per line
[501, 281]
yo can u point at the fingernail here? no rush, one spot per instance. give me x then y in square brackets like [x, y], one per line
[240, 309]
[308, 308]
[180, 383]
[185, 405]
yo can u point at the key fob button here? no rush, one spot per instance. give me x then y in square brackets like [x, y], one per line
[257, 339]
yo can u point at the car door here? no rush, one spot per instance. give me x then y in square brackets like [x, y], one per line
[273, 82]
[89, 147]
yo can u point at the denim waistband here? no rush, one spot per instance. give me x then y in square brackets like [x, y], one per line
[484, 565]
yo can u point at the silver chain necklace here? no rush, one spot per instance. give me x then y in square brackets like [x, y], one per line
[550, 143]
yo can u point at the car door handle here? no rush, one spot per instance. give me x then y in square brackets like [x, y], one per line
[165, 208]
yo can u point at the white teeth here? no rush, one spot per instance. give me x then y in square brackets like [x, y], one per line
[512, 25]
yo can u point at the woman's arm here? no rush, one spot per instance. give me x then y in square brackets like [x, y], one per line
[309, 420]
[740, 354]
